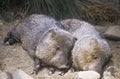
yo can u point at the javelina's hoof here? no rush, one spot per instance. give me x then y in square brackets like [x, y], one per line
[64, 70]
[61, 73]
[37, 68]
[72, 70]
[51, 71]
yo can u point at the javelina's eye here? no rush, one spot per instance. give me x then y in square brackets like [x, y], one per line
[58, 48]
[94, 56]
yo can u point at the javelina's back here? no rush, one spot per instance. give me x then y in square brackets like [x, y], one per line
[79, 28]
[30, 30]
[34, 28]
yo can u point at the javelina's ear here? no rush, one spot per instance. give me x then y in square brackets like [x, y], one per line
[94, 43]
[52, 31]
[75, 39]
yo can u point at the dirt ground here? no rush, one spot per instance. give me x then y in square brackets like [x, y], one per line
[14, 57]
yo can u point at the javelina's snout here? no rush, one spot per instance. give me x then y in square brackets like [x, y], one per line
[10, 40]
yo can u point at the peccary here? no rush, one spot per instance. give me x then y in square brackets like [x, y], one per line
[55, 49]
[32, 32]
[91, 51]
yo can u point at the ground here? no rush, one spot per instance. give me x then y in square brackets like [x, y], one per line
[14, 57]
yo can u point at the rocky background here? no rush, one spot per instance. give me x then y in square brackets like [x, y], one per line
[104, 14]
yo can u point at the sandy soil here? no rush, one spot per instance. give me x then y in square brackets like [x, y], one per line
[14, 57]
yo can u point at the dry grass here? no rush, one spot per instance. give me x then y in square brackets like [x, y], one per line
[99, 14]
[88, 10]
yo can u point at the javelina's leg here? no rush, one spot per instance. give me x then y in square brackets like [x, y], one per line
[38, 65]
[37, 61]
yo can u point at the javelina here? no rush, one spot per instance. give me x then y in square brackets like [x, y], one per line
[54, 49]
[90, 51]
[31, 31]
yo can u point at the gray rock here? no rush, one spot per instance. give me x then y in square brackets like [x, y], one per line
[101, 29]
[4, 75]
[111, 73]
[19, 74]
[113, 33]
[88, 75]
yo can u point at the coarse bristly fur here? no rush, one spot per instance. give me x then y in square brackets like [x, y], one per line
[91, 51]
[32, 30]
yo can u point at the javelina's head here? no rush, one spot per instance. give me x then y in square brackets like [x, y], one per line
[93, 55]
[55, 46]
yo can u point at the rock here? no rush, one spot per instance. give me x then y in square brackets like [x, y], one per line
[19, 74]
[111, 73]
[88, 75]
[101, 29]
[3, 75]
[113, 33]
